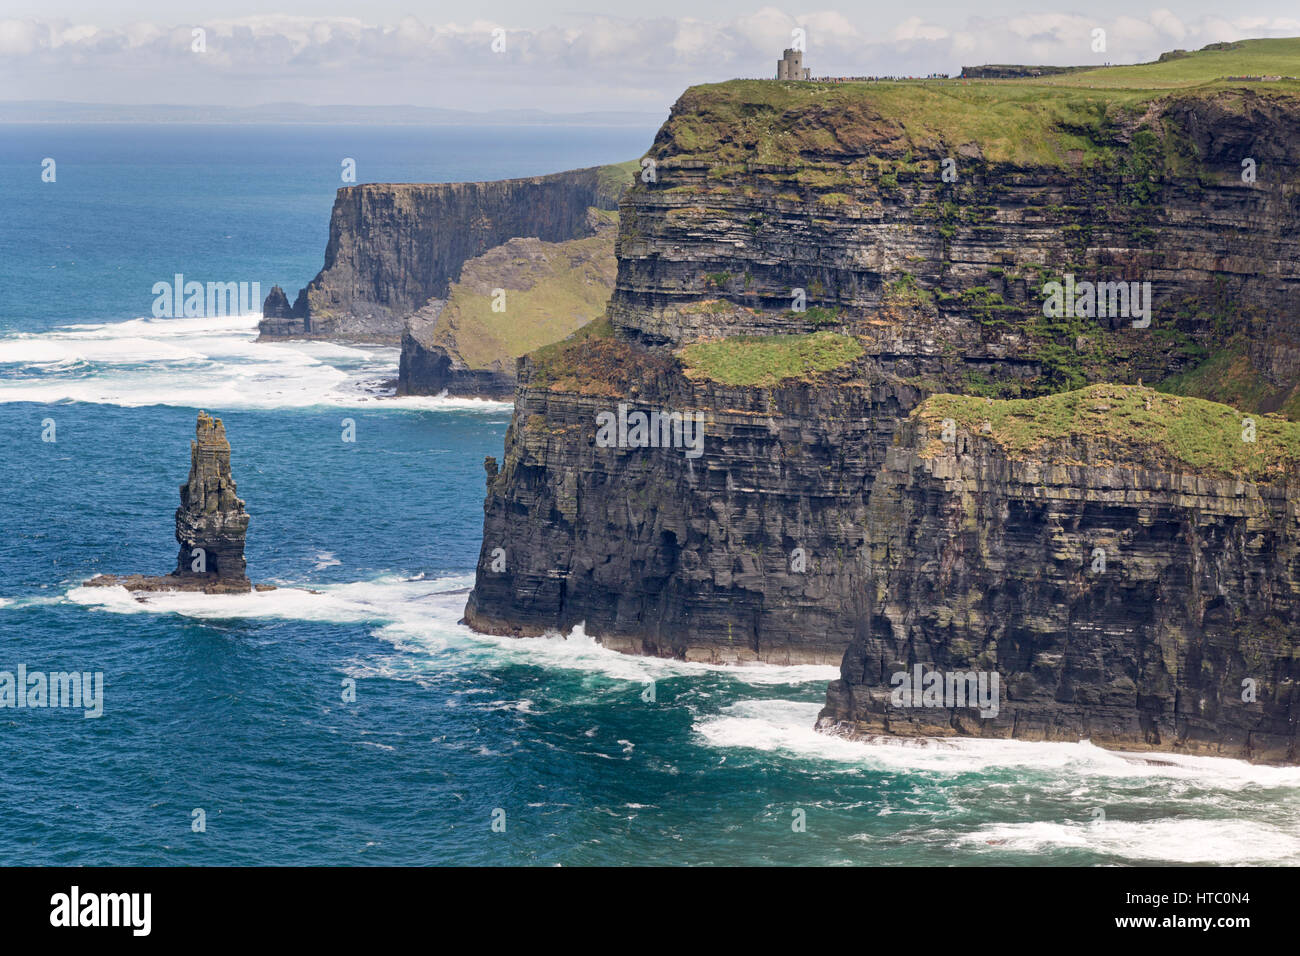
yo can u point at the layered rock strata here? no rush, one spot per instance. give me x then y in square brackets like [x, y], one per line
[1118, 593]
[211, 524]
[394, 248]
[922, 225]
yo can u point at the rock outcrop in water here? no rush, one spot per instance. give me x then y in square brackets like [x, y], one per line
[828, 220]
[211, 524]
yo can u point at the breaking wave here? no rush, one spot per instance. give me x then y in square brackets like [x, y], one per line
[423, 616]
[210, 362]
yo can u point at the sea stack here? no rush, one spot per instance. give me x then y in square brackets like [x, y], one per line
[211, 522]
[210, 525]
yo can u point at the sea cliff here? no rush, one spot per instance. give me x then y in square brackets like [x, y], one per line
[1125, 561]
[811, 267]
[396, 251]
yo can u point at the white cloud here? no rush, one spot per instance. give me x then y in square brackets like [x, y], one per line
[1167, 22]
[914, 28]
[22, 37]
[593, 62]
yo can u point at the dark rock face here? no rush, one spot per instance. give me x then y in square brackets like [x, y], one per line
[394, 247]
[426, 368]
[210, 525]
[278, 317]
[211, 522]
[1129, 601]
[940, 283]
[660, 553]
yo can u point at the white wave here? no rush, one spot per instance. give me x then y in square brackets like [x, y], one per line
[210, 362]
[787, 726]
[417, 615]
[1172, 840]
[31, 600]
[579, 651]
[384, 599]
[326, 559]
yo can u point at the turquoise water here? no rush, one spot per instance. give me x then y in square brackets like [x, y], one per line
[233, 704]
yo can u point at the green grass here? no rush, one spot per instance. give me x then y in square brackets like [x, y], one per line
[1052, 121]
[612, 180]
[1204, 436]
[594, 361]
[547, 355]
[1270, 57]
[565, 291]
[1229, 376]
[769, 359]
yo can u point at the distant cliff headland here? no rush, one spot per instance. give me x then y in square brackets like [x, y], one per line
[994, 376]
[397, 254]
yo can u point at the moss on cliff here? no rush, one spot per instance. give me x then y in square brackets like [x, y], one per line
[769, 359]
[1229, 376]
[614, 179]
[1205, 436]
[593, 362]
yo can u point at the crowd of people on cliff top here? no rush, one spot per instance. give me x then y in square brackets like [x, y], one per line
[877, 79]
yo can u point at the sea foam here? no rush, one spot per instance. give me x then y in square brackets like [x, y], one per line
[423, 616]
[211, 362]
[787, 726]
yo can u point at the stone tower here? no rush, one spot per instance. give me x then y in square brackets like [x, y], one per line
[211, 521]
[790, 66]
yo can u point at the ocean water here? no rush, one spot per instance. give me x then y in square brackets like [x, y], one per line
[233, 705]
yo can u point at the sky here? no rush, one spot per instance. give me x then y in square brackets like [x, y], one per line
[555, 55]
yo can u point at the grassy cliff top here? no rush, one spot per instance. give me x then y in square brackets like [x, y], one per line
[1205, 436]
[766, 360]
[1050, 120]
[1179, 69]
[614, 179]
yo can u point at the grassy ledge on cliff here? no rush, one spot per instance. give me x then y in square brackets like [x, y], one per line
[769, 359]
[516, 295]
[1202, 436]
[547, 290]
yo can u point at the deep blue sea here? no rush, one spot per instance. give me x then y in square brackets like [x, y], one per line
[233, 705]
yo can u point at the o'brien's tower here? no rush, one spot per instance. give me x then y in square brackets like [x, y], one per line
[211, 521]
[790, 66]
